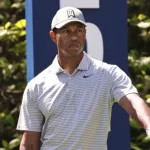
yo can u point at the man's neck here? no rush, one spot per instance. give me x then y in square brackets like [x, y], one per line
[70, 63]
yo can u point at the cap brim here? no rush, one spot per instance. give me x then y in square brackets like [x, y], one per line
[60, 25]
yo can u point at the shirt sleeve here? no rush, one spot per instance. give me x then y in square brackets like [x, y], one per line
[30, 118]
[121, 84]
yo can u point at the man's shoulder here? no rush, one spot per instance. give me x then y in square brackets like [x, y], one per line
[110, 70]
[40, 78]
[104, 66]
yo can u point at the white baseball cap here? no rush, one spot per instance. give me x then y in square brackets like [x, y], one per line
[67, 15]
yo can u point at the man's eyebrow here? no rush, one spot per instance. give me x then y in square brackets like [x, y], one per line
[79, 25]
[64, 27]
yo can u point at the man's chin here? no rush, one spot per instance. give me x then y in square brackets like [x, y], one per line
[74, 52]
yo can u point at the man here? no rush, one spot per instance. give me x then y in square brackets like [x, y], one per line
[68, 105]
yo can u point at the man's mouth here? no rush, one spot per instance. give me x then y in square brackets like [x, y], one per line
[73, 46]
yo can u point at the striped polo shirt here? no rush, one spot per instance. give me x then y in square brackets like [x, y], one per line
[73, 112]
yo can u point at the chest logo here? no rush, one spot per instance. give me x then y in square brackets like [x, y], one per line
[86, 76]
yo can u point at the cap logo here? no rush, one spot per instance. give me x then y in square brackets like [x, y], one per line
[70, 13]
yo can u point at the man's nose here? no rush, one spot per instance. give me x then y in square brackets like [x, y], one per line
[73, 36]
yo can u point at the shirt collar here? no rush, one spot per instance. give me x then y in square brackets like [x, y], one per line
[84, 64]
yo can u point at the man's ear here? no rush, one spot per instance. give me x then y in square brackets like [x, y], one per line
[53, 36]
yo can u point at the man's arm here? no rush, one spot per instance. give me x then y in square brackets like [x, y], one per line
[137, 108]
[30, 141]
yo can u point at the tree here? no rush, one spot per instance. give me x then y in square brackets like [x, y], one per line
[12, 70]
[139, 61]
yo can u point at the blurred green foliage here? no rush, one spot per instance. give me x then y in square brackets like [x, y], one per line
[139, 62]
[13, 69]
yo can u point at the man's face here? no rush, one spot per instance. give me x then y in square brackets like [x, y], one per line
[70, 39]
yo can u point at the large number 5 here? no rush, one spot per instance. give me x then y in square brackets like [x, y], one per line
[94, 37]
